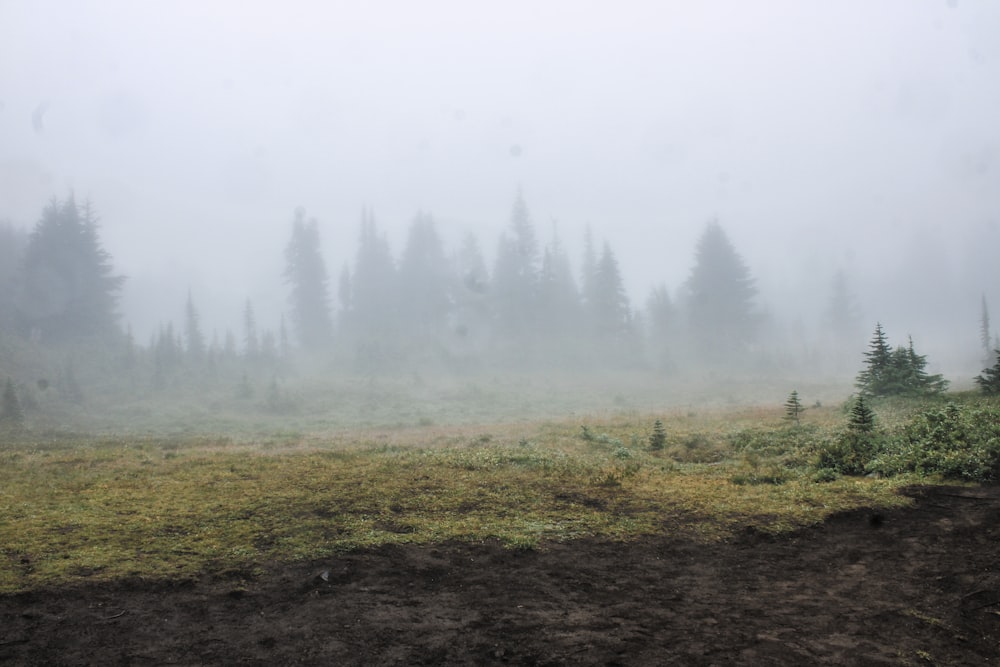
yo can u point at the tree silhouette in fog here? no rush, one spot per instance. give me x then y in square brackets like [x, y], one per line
[69, 290]
[558, 297]
[195, 339]
[515, 278]
[12, 243]
[305, 272]
[608, 305]
[423, 281]
[720, 298]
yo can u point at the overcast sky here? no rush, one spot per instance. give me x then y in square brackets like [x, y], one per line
[196, 128]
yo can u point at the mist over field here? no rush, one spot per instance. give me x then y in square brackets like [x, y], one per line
[676, 189]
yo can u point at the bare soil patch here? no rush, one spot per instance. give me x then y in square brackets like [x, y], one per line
[919, 585]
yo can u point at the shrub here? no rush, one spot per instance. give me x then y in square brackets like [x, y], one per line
[956, 442]
[853, 449]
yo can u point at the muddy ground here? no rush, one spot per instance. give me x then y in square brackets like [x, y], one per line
[914, 586]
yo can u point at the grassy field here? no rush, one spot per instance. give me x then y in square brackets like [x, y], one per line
[85, 508]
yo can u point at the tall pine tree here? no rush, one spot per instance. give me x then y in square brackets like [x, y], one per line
[70, 291]
[305, 273]
[720, 295]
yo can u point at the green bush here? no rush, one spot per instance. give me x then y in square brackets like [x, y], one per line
[850, 452]
[956, 442]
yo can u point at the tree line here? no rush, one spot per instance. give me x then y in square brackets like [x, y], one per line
[532, 307]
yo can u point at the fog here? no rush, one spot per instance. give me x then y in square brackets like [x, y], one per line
[855, 135]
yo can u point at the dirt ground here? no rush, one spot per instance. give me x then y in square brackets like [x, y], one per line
[914, 586]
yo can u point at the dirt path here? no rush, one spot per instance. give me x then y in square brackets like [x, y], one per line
[916, 586]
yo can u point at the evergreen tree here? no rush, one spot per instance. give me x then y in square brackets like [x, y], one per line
[985, 337]
[251, 343]
[470, 291]
[989, 379]
[69, 290]
[609, 306]
[374, 304]
[873, 379]
[862, 420]
[425, 301]
[192, 332]
[793, 407]
[558, 298]
[720, 293]
[11, 414]
[515, 278]
[345, 291]
[305, 272]
[661, 319]
[12, 244]
[658, 438]
[900, 371]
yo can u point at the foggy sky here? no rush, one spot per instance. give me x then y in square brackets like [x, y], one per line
[856, 134]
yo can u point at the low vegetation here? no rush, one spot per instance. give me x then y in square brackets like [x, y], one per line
[74, 508]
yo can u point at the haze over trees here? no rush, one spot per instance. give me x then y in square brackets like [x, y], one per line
[719, 300]
[428, 309]
[305, 273]
[68, 290]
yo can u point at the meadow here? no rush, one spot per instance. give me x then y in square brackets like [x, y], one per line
[192, 486]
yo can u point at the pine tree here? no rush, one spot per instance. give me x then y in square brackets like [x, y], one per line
[192, 332]
[515, 278]
[11, 414]
[305, 272]
[558, 297]
[658, 438]
[989, 380]
[873, 378]
[372, 312]
[424, 296]
[69, 290]
[985, 338]
[894, 372]
[720, 294]
[251, 343]
[609, 307]
[12, 244]
[661, 322]
[862, 418]
[793, 407]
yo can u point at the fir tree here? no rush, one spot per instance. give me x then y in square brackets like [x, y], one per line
[251, 343]
[862, 420]
[558, 297]
[873, 378]
[989, 380]
[985, 338]
[70, 292]
[720, 294]
[372, 312]
[192, 332]
[305, 272]
[793, 407]
[658, 438]
[12, 414]
[424, 296]
[515, 278]
[894, 372]
[609, 306]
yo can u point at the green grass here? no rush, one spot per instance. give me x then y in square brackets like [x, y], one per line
[76, 509]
